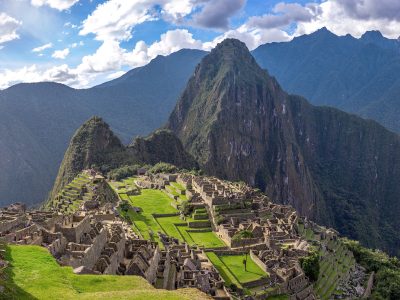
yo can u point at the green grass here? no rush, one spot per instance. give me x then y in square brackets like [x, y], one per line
[153, 202]
[206, 239]
[157, 202]
[223, 270]
[235, 264]
[34, 274]
[232, 269]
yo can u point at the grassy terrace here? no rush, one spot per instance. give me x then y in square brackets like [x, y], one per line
[70, 199]
[158, 202]
[333, 265]
[232, 269]
[34, 274]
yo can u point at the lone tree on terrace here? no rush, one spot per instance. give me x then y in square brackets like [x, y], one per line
[242, 236]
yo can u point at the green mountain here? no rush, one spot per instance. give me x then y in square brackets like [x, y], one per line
[39, 119]
[336, 168]
[94, 145]
[357, 75]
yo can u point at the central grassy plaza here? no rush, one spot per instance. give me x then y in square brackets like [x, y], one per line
[147, 223]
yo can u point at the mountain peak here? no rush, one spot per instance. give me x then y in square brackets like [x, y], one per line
[372, 35]
[90, 146]
[232, 50]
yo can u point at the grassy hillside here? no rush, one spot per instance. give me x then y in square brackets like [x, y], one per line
[34, 274]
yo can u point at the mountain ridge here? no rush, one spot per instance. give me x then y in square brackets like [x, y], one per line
[335, 168]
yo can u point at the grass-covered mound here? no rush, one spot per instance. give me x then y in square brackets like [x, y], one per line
[34, 274]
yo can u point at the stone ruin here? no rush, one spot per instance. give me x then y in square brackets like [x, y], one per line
[94, 240]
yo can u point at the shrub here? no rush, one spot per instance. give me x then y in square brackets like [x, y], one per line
[186, 208]
[310, 265]
[163, 167]
[123, 172]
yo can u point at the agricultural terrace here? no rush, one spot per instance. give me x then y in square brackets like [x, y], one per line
[232, 269]
[334, 264]
[35, 274]
[194, 230]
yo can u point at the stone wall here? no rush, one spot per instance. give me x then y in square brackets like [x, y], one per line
[92, 252]
[74, 234]
[258, 261]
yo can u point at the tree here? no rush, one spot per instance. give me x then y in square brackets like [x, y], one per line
[242, 236]
[310, 265]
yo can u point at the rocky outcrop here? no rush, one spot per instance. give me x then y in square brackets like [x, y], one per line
[162, 145]
[333, 167]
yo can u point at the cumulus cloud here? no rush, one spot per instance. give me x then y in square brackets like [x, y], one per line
[354, 17]
[252, 37]
[56, 4]
[283, 15]
[216, 14]
[372, 9]
[8, 28]
[42, 48]
[115, 19]
[62, 74]
[111, 57]
[60, 54]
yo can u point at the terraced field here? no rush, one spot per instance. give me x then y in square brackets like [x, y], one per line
[69, 199]
[35, 274]
[232, 269]
[155, 203]
[334, 266]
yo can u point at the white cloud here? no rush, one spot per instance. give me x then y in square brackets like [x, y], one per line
[351, 17]
[111, 57]
[74, 45]
[115, 75]
[115, 19]
[60, 54]
[8, 28]
[62, 74]
[42, 48]
[56, 4]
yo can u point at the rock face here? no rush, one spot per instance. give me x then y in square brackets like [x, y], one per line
[162, 145]
[333, 167]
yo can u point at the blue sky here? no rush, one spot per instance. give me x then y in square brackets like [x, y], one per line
[84, 42]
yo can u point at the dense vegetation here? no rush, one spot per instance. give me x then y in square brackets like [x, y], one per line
[124, 172]
[310, 265]
[387, 270]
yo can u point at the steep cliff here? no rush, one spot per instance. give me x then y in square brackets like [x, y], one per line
[162, 145]
[333, 167]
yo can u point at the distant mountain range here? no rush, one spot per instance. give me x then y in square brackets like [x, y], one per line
[37, 120]
[334, 167]
[356, 75]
